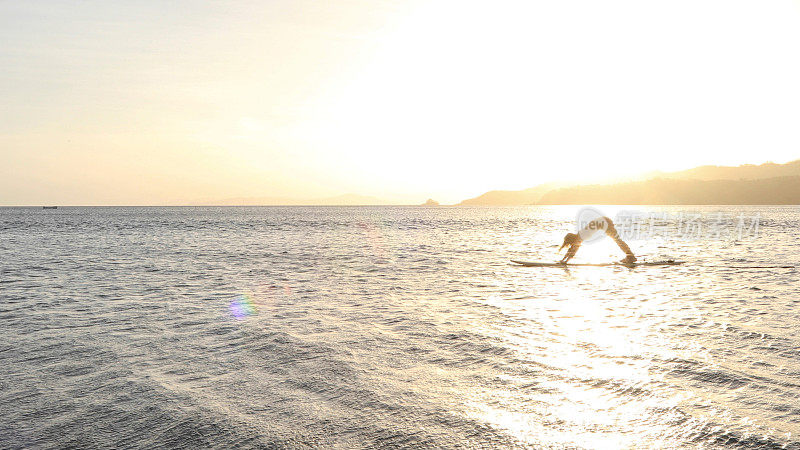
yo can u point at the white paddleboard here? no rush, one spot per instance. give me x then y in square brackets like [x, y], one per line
[636, 264]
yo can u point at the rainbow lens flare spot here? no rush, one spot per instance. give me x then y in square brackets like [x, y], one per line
[242, 307]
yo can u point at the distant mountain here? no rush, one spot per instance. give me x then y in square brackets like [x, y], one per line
[655, 188]
[339, 200]
[430, 202]
[524, 197]
[745, 172]
[765, 191]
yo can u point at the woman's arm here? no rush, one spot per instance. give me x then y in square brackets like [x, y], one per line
[570, 253]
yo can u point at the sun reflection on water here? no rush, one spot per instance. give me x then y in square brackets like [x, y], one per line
[593, 362]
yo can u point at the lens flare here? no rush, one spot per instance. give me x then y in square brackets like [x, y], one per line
[376, 238]
[243, 307]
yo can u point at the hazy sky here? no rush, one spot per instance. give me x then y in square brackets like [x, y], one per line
[152, 102]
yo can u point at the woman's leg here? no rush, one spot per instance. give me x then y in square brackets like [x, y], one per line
[613, 234]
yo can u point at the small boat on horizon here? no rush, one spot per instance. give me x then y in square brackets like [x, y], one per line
[49, 207]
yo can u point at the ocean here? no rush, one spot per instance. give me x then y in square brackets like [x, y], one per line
[386, 327]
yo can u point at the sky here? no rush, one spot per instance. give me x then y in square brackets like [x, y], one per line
[151, 103]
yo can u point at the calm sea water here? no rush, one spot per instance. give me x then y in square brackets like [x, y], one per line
[356, 327]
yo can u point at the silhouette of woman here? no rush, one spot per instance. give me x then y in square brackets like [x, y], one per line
[574, 241]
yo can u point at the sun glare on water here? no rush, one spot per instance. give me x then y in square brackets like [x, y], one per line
[607, 347]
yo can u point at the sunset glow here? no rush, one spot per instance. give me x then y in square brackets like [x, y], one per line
[146, 103]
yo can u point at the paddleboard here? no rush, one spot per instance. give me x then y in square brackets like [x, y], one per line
[637, 264]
